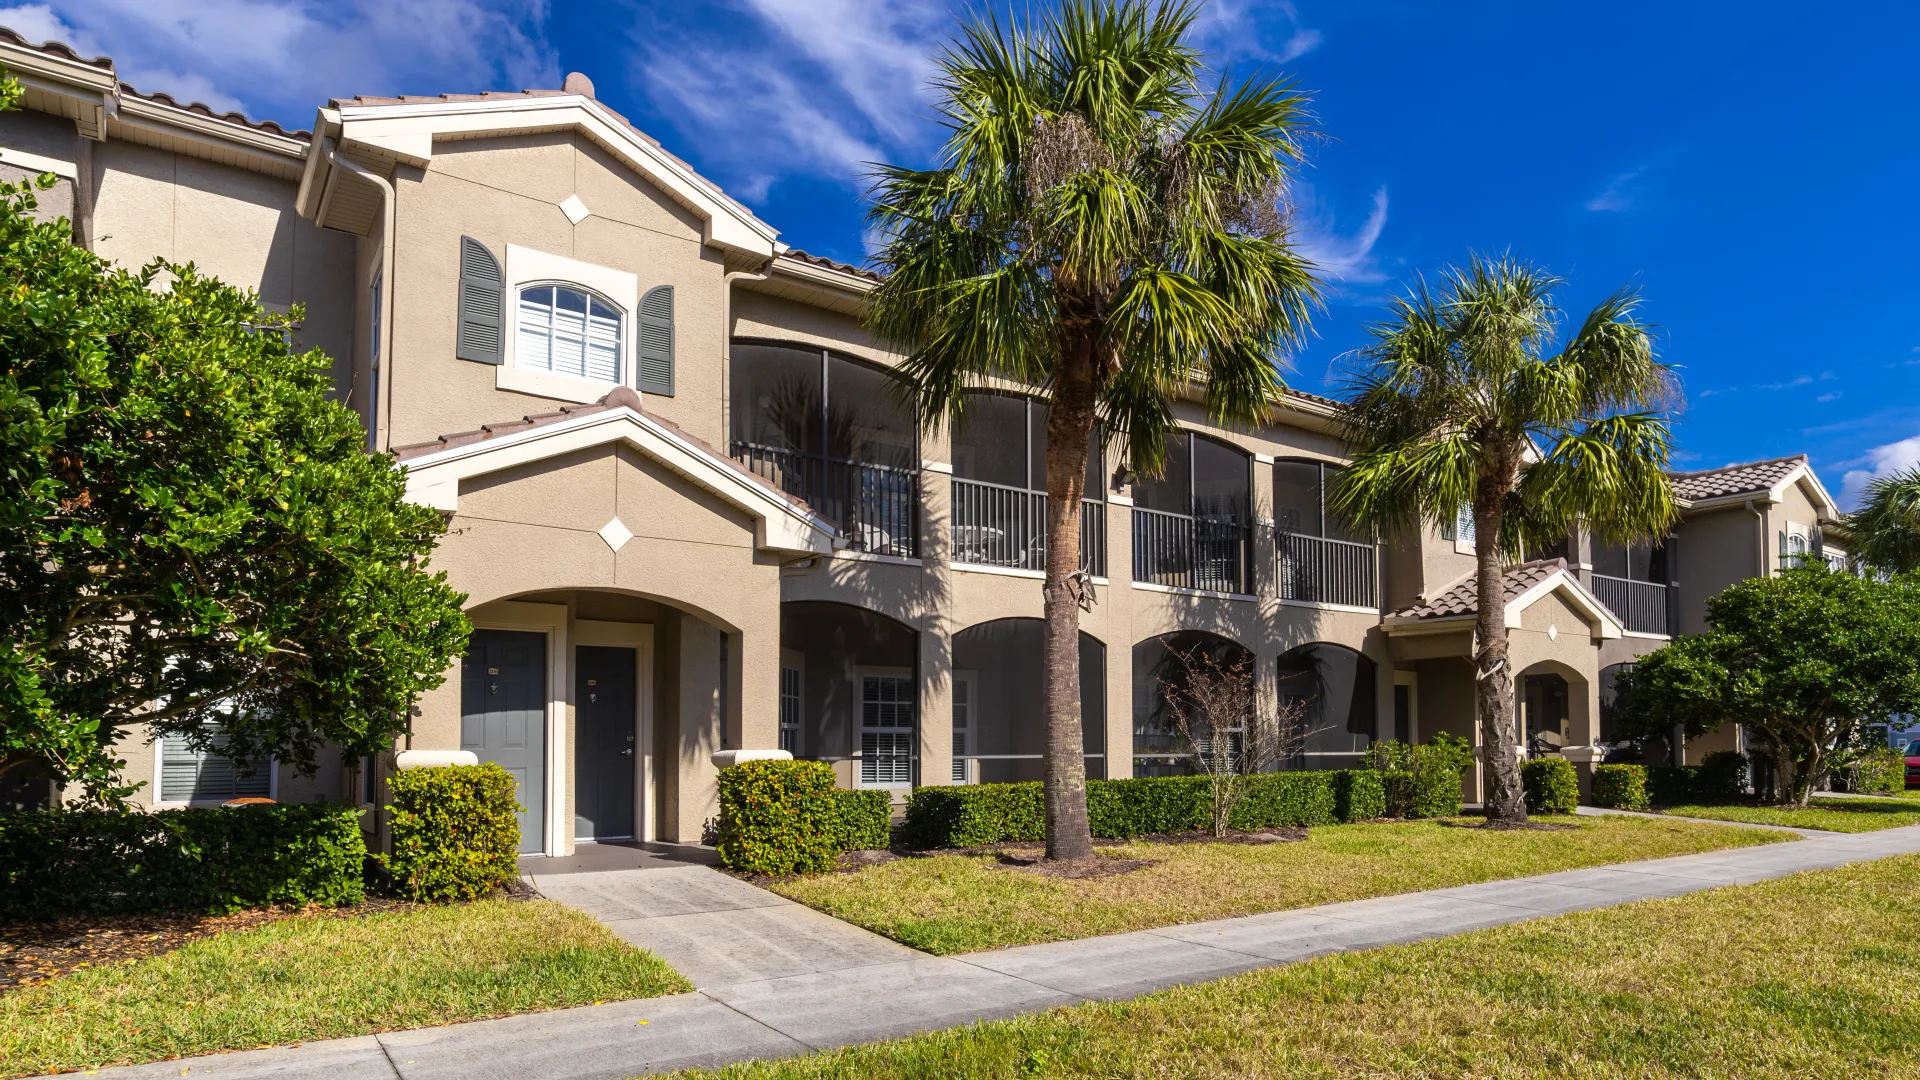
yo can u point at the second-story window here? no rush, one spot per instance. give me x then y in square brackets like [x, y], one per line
[567, 331]
[832, 432]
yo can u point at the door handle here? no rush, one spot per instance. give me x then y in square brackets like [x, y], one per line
[628, 750]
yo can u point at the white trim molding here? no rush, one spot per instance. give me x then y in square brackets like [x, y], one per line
[433, 479]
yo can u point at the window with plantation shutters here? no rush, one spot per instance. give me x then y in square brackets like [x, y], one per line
[886, 731]
[190, 775]
[482, 329]
[653, 359]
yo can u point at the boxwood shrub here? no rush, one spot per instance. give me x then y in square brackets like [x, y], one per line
[455, 833]
[976, 814]
[1671, 785]
[93, 862]
[1552, 787]
[864, 820]
[1721, 777]
[1620, 786]
[1361, 794]
[779, 817]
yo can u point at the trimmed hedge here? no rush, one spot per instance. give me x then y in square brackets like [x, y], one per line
[1552, 787]
[973, 815]
[865, 820]
[1880, 771]
[96, 862]
[1361, 794]
[1421, 781]
[779, 817]
[455, 833]
[1720, 778]
[1620, 787]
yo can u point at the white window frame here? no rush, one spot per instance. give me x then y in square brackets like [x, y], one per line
[860, 677]
[158, 742]
[792, 720]
[526, 267]
[966, 710]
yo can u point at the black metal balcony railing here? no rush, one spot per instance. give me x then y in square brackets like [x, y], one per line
[1640, 605]
[1191, 553]
[876, 507]
[997, 525]
[1323, 571]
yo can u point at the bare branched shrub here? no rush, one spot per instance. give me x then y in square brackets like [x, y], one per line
[1228, 730]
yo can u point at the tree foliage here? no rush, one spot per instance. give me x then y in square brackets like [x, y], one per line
[1885, 532]
[1470, 396]
[191, 532]
[1812, 662]
[1108, 224]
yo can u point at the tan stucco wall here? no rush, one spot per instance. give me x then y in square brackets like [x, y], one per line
[1715, 549]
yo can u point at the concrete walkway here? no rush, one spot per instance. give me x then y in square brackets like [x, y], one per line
[776, 980]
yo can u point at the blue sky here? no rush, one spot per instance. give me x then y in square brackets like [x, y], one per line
[1751, 167]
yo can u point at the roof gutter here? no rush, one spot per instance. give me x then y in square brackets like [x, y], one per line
[385, 345]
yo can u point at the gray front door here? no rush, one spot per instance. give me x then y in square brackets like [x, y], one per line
[503, 716]
[604, 763]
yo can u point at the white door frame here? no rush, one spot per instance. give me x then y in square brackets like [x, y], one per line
[639, 638]
[551, 620]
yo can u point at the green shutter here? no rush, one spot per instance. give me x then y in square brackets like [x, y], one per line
[482, 304]
[654, 367]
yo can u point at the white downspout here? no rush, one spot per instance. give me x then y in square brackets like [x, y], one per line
[726, 330]
[384, 376]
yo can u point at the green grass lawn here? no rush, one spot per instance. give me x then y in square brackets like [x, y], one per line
[1811, 975]
[322, 977]
[959, 903]
[1838, 814]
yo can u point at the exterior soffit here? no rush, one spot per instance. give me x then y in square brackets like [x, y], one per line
[407, 131]
[434, 479]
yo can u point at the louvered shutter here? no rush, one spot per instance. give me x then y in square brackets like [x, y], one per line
[482, 304]
[654, 355]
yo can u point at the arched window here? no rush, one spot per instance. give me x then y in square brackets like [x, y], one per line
[1336, 686]
[568, 331]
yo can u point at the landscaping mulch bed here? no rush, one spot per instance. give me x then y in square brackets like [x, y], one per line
[34, 952]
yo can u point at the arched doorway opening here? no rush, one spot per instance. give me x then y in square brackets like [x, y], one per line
[1162, 667]
[1336, 687]
[999, 720]
[848, 693]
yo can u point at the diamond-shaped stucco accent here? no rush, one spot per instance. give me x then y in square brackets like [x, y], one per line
[575, 210]
[615, 534]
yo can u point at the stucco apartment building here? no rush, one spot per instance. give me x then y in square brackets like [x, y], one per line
[690, 520]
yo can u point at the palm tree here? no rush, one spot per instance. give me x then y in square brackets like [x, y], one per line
[1885, 533]
[1106, 225]
[1459, 401]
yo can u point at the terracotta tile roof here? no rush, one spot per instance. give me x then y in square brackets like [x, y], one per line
[820, 260]
[1464, 598]
[202, 109]
[1753, 476]
[620, 396]
[63, 51]
[53, 48]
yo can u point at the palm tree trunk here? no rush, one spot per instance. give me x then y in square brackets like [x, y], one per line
[1069, 424]
[1493, 679]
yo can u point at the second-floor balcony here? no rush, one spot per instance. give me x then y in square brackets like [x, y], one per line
[876, 507]
[1640, 605]
[998, 525]
[1185, 552]
[1321, 570]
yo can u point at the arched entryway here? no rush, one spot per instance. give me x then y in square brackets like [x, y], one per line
[999, 721]
[848, 695]
[1161, 667]
[1335, 686]
[1550, 700]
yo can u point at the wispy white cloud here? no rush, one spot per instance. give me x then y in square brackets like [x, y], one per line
[1347, 257]
[1786, 384]
[1615, 197]
[1241, 30]
[1880, 461]
[1834, 395]
[282, 57]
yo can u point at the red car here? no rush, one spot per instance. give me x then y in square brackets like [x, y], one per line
[1913, 764]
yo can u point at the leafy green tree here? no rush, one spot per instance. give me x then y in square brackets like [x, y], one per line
[1811, 662]
[1463, 400]
[1106, 224]
[1885, 533]
[191, 532]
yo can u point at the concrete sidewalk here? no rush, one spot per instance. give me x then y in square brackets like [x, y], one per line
[803, 994]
